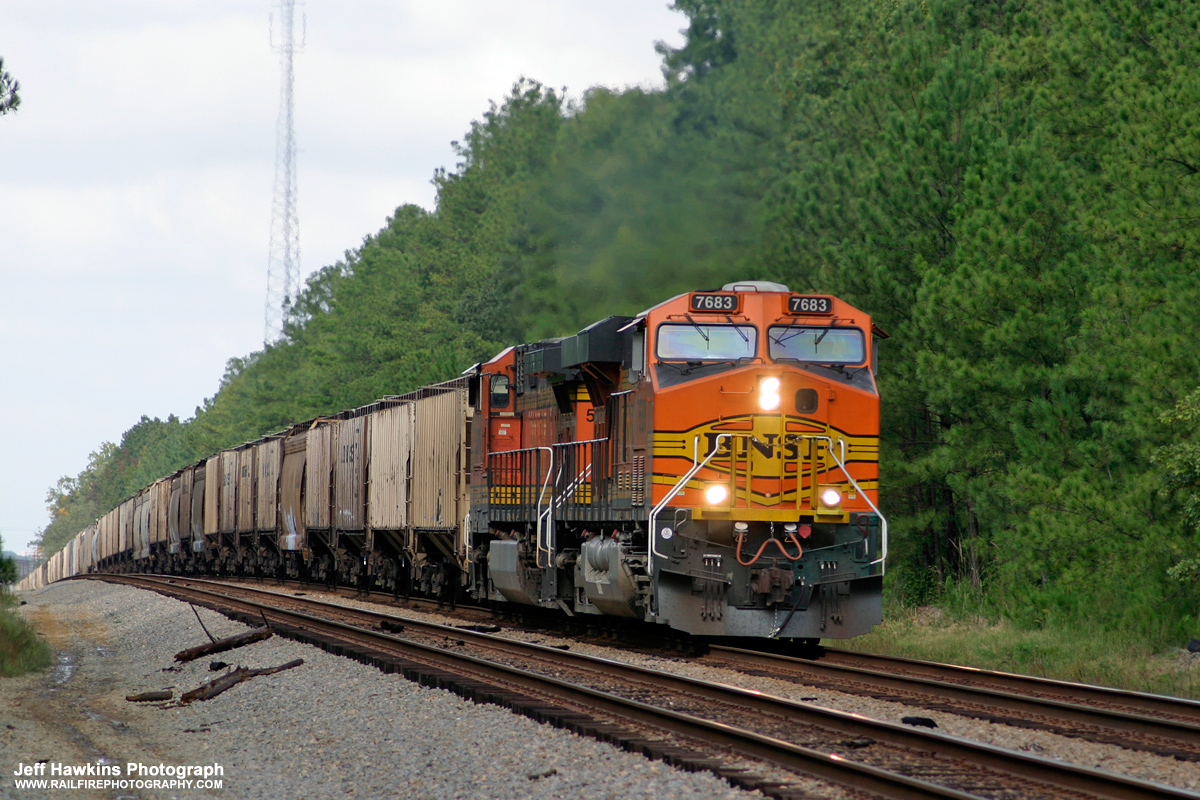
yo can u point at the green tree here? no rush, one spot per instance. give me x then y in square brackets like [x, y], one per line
[8, 568]
[1179, 465]
[10, 99]
[149, 450]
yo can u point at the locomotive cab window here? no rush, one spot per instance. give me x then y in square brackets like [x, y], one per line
[498, 393]
[816, 345]
[704, 342]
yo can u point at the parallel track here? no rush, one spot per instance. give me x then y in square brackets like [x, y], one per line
[1162, 725]
[704, 725]
[1150, 705]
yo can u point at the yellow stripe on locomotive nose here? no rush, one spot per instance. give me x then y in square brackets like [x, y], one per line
[774, 453]
[767, 444]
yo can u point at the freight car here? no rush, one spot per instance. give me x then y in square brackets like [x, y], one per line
[710, 464]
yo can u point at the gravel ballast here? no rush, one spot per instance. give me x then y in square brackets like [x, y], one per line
[332, 728]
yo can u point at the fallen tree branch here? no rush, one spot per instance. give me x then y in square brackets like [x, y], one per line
[215, 686]
[231, 679]
[147, 697]
[202, 625]
[221, 645]
[272, 670]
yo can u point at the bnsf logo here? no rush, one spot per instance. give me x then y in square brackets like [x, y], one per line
[766, 444]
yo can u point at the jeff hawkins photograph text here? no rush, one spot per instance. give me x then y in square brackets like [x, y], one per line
[100, 775]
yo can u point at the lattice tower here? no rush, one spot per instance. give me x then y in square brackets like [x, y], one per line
[283, 260]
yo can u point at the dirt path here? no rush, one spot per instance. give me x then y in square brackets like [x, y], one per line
[75, 713]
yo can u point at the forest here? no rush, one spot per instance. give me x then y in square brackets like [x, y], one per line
[1010, 188]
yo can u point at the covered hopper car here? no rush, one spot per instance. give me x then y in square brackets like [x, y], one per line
[710, 464]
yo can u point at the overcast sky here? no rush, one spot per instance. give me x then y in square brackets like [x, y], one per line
[135, 181]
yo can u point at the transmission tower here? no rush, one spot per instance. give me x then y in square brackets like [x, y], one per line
[283, 260]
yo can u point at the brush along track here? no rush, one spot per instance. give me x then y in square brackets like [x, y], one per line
[1161, 725]
[691, 723]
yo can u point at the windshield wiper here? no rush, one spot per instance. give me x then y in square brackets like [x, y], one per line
[697, 327]
[832, 323]
[741, 333]
[793, 333]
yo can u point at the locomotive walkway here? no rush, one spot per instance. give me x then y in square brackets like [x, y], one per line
[752, 739]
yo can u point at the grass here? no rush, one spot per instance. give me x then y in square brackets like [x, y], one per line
[21, 650]
[1084, 656]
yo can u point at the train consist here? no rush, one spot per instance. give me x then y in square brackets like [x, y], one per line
[710, 464]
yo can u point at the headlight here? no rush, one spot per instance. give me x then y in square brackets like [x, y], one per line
[768, 393]
[829, 497]
[716, 494]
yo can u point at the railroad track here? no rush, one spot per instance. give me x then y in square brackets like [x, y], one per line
[1163, 725]
[751, 739]
[1092, 713]
[466, 612]
[1151, 705]
[604, 631]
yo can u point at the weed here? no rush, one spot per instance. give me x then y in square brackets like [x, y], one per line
[21, 650]
[1107, 658]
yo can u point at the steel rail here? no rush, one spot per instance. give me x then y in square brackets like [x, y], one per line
[1024, 767]
[1144, 702]
[1002, 700]
[381, 597]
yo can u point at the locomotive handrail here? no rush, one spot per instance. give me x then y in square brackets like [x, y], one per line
[883, 530]
[679, 487]
[696, 467]
[584, 474]
[572, 487]
[542, 515]
[581, 441]
[519, 466]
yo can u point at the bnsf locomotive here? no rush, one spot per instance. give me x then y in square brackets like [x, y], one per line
[710, 464]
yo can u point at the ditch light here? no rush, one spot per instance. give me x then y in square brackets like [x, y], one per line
[829, 498]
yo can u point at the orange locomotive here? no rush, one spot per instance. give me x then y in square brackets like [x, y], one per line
[711, 464]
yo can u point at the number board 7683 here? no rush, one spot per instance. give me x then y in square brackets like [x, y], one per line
[714, 303]
[809, 304]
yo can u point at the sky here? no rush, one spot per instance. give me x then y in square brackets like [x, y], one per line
[136, 180]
